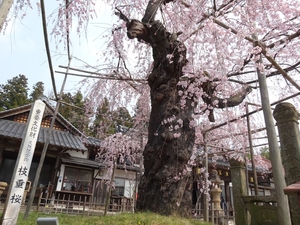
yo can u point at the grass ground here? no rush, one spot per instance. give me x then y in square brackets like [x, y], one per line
[119, 219]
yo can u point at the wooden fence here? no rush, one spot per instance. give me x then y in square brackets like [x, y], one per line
[82, 205]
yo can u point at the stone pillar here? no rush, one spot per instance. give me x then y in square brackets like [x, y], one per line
[239, 189]
[286, 117]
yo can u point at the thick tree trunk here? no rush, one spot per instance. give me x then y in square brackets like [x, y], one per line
[165, 186]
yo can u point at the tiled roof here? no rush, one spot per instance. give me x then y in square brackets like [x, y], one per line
[92, 141]
[63, 139]
[81, 162]
[49, 108]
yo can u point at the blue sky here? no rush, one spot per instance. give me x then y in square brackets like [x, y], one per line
[22, 48]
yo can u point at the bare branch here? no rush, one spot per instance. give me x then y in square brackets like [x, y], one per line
[240, 82]
[277, 66]
[250, 113]
[275, 73]
[232, 30]
[185, 4]
[239, 73]
[153, 6]
[151, 10]
[285, 40]
[121, 15]
[263, 51]
[205, 16]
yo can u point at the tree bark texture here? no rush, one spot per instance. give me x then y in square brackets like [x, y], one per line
[165, 186]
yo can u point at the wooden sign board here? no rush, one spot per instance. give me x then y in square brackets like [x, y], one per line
[21, 171]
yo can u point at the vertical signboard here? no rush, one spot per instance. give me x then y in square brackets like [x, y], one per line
[21, 171]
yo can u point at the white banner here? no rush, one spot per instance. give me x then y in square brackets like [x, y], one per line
[21, 171]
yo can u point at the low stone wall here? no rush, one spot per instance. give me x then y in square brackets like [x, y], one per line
[263, 209]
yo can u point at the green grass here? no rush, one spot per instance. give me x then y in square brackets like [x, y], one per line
[119, 219]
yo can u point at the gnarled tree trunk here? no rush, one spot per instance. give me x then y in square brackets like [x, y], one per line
[166, 185]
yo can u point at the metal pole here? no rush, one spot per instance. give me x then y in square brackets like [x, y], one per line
[141, 167]
[246, 173]
[206, 198]
[251, 153]
[44, 151]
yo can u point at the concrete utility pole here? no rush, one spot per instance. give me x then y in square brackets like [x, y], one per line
[4, 9]
[282, 206]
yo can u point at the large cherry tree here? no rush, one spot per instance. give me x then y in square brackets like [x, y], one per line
[197, 46]
[166, 185]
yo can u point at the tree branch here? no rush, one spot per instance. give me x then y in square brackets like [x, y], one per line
[121, 15]
[151, 10]
[275, 73]
[233, 100]
[263, 51]
[213, 101]
[285, 40]
[205, 16]
[277, 66]
[137, 29]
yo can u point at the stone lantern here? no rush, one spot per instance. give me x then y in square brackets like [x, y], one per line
[3, 185]
[216, 191]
